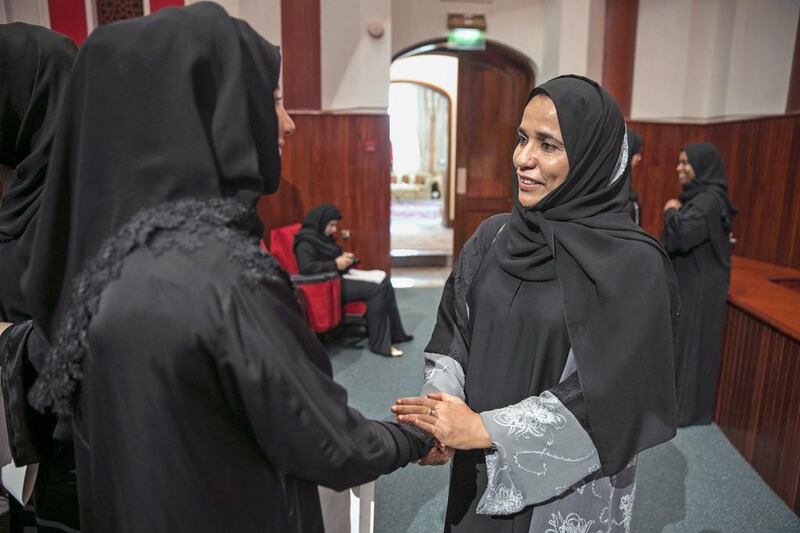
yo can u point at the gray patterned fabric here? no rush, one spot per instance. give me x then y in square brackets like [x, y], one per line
[543, 457]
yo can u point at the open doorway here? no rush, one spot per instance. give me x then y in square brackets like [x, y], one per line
[422, 102]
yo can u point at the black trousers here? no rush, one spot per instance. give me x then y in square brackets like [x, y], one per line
[383, 319]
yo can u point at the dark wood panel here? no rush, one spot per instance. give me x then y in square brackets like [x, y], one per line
[619, 46]
[300, 48]
[493, 86]
[758, 402]
[793, 98]
[109, 11]
[69, 17]
[342, 159]
[155, 5]
[762, 158]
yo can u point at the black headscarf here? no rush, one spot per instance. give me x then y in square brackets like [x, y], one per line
[176, 105]
[618, 290]
[635, 142]
[313, 231]
[34, 67]
[710, 178]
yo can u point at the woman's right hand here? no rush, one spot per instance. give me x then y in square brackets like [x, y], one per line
[344, 261]
[438, 455]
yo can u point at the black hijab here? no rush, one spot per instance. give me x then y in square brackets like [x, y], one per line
[313, 231]
[177, 105]
[710, 178]
[34, 67]
[618, 290]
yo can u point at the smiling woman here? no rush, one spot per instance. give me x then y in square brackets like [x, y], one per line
[540, 157]
[547, 371]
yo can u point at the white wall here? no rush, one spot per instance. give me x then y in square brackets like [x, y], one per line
[30, 11]
[559, 36]
[355, 66]
[263, 15]
[701, 59]
[761, 56]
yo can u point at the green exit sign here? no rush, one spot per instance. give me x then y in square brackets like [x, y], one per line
[466, 39]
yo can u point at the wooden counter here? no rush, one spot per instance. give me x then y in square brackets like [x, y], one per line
[758, 398]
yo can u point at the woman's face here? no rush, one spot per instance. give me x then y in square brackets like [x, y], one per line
[331, 228]
[540, 157]
[684, 169]
[285, 122]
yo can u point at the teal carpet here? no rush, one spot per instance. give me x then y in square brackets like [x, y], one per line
[697, 482]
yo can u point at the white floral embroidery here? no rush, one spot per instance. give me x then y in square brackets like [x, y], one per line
[500, 498]
[530, 417]
[572, 523]
[522, 458]
[626, 506]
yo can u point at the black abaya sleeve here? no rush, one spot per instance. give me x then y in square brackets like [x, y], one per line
[274, 374]
[307, 261]
[687, 228]
[22, 350]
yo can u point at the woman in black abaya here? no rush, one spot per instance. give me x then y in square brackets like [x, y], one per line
[316, 251]
[550, 366]
[35, 64]
[199, 399]
[697, 228]
[34, 67]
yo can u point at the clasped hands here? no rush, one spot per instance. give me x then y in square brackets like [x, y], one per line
[345, 261]
[451, 422]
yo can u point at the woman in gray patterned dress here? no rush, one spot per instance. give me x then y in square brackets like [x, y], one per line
[550, 366]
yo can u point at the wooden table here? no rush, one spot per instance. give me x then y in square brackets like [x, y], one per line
[758, 397]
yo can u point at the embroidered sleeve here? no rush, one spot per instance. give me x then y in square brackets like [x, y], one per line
[539, 450]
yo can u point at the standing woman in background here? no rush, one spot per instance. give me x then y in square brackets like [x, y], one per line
[697, 229]
[35, 64]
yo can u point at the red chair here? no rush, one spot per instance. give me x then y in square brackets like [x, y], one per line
[322, 292]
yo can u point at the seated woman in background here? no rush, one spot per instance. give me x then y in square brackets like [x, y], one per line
[316, 251]
[697, 230]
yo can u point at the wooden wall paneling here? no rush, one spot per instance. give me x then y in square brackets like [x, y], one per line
[69, 17]
[758, 402]
[762, 158]
[109, 11]
[619, 47]
[155, 5]
[330, 159]
[300, 48]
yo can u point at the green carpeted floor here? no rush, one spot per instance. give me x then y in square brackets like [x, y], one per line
[695, 483]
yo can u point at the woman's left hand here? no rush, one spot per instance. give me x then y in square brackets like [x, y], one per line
[445, 417]
[673, 203]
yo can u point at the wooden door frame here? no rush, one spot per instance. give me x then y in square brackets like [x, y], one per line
[516, 59]
[438, 46]
[446, 181]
